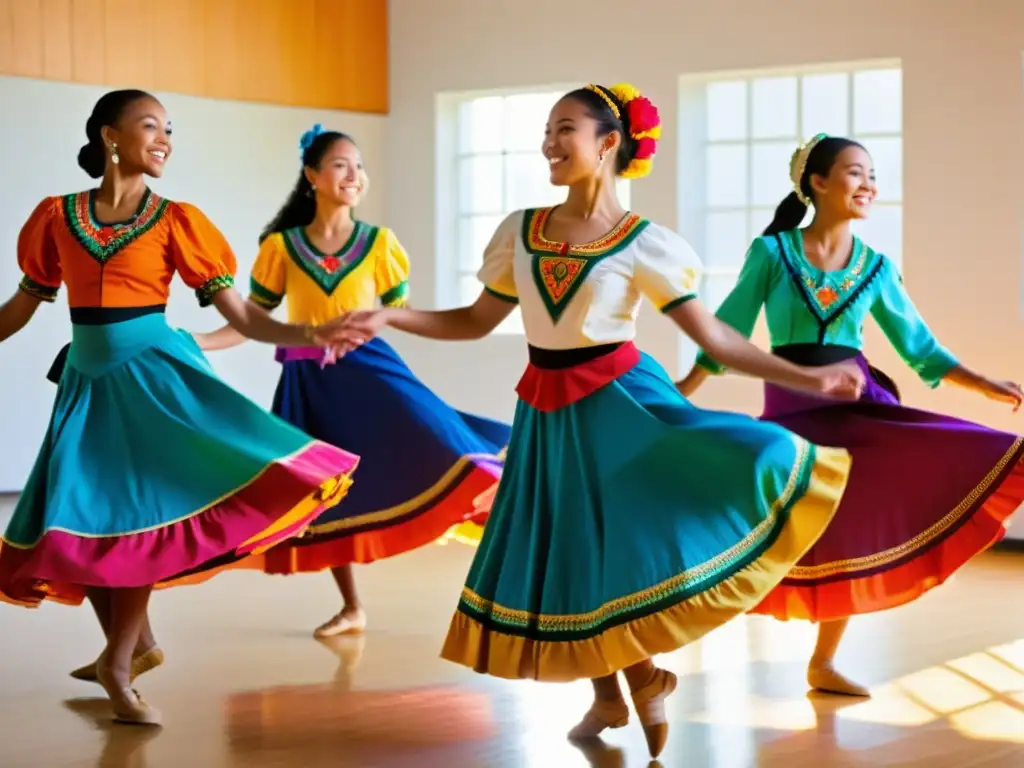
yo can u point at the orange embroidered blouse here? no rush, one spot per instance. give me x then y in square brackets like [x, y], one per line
[129, 264]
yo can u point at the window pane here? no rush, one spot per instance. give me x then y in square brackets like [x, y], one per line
[727, 110]
[725, 239]
[474, 234]
[480, 125]
[769, 172]
[527, 182]
[883, 231]
[825, 105]
[525, 117]
[877, 101]
[726, 175]
[715, 289]
[480, 184]
[887, 155]
[774, 107]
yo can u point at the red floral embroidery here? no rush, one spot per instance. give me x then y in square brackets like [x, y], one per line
[826, 296]
[330, 264]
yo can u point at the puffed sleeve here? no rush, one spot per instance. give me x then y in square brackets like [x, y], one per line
[201, 254]
[497, 273]
[743, 304]
[267, 279]
[37, 252]
[907, 331]
[391, 270]
[666, 269]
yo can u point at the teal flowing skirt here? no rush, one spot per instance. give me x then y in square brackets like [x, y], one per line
[630, 523]
[154, 471]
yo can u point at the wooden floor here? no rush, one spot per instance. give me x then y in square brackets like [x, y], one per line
[246, 685]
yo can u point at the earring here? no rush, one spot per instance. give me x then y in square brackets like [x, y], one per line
[600, 159]
[113, 154]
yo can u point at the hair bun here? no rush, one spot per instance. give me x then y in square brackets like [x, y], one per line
[643, 122]
[92, 159]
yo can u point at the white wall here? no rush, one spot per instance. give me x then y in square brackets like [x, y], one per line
[963, 155]
[236, 161]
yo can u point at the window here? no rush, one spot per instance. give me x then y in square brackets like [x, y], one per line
[498, 169]
[746, 127]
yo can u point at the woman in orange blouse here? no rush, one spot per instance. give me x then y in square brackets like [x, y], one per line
[152, 471]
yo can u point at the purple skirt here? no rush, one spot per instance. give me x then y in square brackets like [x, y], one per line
[926, 494]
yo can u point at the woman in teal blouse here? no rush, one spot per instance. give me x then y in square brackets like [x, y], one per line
[927, 492]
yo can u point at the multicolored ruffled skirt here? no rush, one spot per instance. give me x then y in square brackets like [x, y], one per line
[422, 462]
[154, 471]
[926, 494]
[628, 522]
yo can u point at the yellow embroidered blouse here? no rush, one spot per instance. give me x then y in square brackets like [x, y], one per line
[371, 266]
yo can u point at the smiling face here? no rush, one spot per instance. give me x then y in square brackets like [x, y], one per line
[849, 189]
[340, 178]
[572, 145]
[142, 137]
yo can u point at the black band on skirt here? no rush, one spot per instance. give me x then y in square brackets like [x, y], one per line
[558, 359]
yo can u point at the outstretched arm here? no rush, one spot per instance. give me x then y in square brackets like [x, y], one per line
[907, 331]
[462, 324]
[731, 349]
[252, 322]
[16, 312]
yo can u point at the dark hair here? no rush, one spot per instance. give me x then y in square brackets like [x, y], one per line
[299, 209]
[791, 210]
[607, 122]
[92, 157]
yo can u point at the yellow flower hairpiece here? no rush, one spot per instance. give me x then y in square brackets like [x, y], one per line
[798, 164]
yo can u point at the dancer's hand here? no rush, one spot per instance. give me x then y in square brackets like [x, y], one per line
[845, 381]
[1003, 392]
[366, 323]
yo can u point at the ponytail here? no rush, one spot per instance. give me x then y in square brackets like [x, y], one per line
[788, 215]
[299, 209]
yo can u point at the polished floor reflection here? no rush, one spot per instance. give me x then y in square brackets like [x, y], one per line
[246, 685]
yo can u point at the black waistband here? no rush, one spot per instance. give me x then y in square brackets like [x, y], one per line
[815, 354]
[557, 359]
[108, 315]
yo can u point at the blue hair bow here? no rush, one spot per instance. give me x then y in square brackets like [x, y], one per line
[309, 137]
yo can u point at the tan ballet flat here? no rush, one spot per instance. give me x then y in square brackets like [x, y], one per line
[141, 664]
[649, 702]
[601, 715]
[344, 623]
[129, 707]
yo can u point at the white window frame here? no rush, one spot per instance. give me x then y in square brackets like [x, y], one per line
[694, 143]
[450, 273]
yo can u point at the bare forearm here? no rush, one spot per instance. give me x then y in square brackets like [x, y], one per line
[223, 338]
[461, 324]
[16, 312]
[966, 378]
[254, 323]
[735, 352]
[730, 348]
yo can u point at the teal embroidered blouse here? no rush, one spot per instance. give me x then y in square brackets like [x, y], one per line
[805, 305]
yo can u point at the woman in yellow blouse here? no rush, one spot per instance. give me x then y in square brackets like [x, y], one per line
[422, 462]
